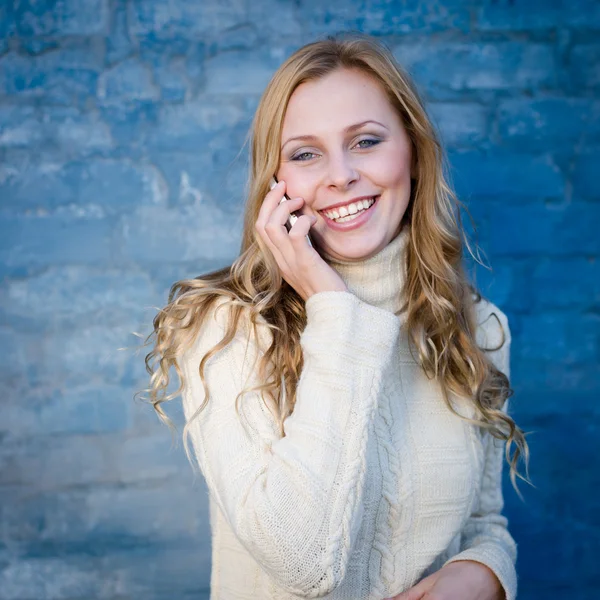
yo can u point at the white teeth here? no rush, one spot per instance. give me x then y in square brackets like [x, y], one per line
[347, 213]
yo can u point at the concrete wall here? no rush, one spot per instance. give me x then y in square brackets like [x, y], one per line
[121, 124]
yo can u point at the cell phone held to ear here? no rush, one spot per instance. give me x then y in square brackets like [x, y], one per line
[293, 216]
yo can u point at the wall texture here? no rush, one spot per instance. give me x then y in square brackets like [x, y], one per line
[122, 124]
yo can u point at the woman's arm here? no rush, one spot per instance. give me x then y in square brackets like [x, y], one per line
[485, 537]
[294, 503]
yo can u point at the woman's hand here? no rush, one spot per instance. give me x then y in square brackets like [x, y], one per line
[460, 580]
[301, 266]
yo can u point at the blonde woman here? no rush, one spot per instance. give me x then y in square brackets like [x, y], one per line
[346, 398]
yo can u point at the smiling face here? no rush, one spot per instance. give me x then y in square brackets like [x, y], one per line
[344, 144]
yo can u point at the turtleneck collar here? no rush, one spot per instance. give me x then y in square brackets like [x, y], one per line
[379, 279]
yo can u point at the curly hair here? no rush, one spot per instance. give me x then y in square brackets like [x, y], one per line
[440, 301]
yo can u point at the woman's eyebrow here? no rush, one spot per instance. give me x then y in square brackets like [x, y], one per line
[348, 129]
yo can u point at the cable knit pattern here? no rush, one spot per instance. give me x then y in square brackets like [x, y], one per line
[376, 483]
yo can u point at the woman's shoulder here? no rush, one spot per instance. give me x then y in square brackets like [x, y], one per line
[493, 333]
[492, 323]
[223, 313]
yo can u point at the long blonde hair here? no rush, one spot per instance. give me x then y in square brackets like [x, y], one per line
[440, 300]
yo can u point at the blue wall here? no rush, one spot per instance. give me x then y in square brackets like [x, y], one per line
[121, 123]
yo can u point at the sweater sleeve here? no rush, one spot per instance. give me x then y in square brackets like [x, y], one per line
[294, 502]
[485, 537]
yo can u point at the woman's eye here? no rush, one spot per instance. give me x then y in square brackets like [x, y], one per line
[361, 144]
[368, 143]
[303, 156]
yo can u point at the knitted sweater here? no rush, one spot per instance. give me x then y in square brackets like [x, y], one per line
[376, 484]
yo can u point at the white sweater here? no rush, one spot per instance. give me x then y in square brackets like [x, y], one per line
[376, 483]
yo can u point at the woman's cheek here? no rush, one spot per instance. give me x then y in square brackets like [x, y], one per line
[394, 168]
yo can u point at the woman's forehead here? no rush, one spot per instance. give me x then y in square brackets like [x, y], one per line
[334, 102]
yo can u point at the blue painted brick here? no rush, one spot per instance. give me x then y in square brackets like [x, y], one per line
[381, 17]
[14, 357]
[110, 516]
[147, 513]
[548, 123]
[148, 457]
[533, 15]
[83, 409]
[282, 20]
[507, 15]
[19, 127]
[86, 354]
[62, 76]
[532, 374]
[586, 183]
[177, 66]
[508, 284]
[503, 65]
[7, 21]
[128, 81]
[36, 46]
[238, 73]
[583, 66]
[57, 131]
[75, 133]
[533, 229]
[566, 283]
[48, 462]
[184, 19]
[243, 37]
[460, 124]
[26, 517]
[66, 297]
[189, 177]
[188, 561]
[53, 239]
[505, 174]
[57, 577]
[111, 186]
[191, 126]
[180, 235]
[566, 338]
[67, 17]
[130, 124]
[119, 44]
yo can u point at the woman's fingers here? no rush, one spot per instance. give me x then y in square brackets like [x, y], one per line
[301, 266]
[272, 199]
[270, 203]
[299, 231]
[281, 214]
[286, 247]
[292, 245]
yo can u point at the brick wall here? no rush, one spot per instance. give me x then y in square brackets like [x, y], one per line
[121, 125]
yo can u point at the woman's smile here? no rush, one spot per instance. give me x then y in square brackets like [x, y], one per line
[350, 216]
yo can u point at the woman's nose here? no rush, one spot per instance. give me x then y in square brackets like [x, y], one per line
[341, 173]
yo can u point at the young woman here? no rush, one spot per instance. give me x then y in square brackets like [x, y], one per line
[346, 398]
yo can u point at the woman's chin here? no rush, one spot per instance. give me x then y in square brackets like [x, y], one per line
[351, 252]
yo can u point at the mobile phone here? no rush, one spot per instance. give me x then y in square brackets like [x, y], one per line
[293, 216]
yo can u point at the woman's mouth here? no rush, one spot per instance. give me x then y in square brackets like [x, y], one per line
[350, 216]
